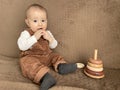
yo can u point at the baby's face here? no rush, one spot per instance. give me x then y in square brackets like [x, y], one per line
[36, 19]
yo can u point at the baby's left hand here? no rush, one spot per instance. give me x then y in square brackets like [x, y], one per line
[47, 36]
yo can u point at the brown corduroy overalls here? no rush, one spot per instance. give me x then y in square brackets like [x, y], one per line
[35, 61]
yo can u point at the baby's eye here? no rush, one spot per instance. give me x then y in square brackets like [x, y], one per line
[34, 20]
[43, 20]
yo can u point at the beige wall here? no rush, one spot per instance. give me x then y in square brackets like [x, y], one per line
[80, 26]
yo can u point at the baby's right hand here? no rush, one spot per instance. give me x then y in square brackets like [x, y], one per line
[38, 34]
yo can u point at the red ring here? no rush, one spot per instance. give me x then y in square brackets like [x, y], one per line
[98, 61]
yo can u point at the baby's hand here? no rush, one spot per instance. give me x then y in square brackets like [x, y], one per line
[47, 36]
[38, 34]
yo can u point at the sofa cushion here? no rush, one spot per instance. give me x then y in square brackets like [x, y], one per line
[7, 85]
[12, 79]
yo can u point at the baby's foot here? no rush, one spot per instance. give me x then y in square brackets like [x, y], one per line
[65, 68]
[47, 82]
[80, 65]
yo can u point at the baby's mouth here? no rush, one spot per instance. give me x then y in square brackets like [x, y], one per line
[39, 28]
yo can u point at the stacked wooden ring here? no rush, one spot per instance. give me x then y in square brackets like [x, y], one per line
[94, 68]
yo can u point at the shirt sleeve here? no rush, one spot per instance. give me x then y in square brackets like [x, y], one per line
[25, 41]
[54, 43]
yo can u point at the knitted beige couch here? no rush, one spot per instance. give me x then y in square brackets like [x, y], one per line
[80, 26]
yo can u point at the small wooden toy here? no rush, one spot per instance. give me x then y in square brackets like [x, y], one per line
[94, 67]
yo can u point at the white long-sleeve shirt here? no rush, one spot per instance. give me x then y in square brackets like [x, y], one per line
[25, 41]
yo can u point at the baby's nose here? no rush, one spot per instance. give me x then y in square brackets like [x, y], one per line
[40, 23]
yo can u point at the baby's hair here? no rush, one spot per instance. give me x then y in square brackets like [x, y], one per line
[36, 6]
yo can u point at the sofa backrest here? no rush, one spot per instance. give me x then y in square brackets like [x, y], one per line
[12, 13]
[80, 26]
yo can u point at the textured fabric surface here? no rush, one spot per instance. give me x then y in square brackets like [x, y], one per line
[80, 26]
[11, 78]
[6, 85]
[11, 24]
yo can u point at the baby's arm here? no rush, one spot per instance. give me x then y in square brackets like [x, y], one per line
[52, 42]
[25, 41]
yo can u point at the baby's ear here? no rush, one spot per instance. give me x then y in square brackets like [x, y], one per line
[26, 21]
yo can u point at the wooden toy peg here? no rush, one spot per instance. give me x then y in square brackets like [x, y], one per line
[95, 54]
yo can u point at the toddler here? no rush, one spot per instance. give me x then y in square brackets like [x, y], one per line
[36, 44]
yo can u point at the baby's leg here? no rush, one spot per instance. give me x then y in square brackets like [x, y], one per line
[33, 69]
[62, 66]
[69, 68]
[65, 68]
[56, 59]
